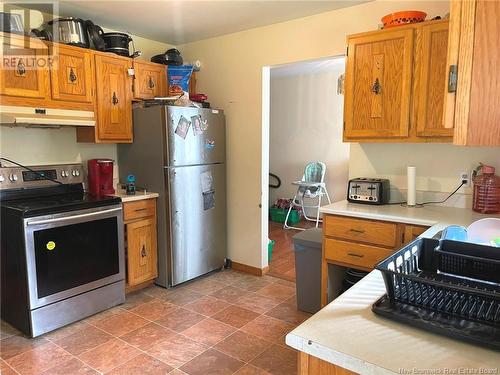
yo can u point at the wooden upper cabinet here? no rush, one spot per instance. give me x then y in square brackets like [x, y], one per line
[473, 108]
[114, 98]
[150, 80]
[71, 77]
[20, 76]
[430, 80]
[378, 84]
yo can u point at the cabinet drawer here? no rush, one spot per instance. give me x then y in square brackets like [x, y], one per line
[359, 230]
[353, 253]
[139, 209]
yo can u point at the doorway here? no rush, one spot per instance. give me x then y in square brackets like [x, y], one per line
[305, 125]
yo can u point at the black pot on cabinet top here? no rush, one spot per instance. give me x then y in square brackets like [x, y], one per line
[95, 35]
[69, 30]
[117, 43]
[11, 23]
[170, 57]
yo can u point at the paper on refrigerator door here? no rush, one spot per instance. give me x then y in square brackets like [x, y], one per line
[182, 127]
[207, 190]
[207, 181]
[196, 121]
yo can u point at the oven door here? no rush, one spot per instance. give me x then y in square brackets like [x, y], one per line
[73, 252]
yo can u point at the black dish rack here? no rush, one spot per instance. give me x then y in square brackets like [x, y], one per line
[446, 287]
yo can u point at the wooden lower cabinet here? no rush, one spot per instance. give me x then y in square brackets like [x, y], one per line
[141, 243]
[309, 365]
[360, 243]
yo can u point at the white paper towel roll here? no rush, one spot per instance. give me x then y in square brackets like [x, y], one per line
[412, 186]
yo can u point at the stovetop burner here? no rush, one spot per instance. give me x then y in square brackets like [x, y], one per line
[36, 206]
[28, 193]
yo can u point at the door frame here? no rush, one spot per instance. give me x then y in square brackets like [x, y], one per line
[266, 123]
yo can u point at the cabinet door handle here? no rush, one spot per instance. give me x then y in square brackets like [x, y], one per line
[72, 76]
[357, 231]
[114, 99]
[143, 251]
[355, 255]
[140, 209]
[452, 78]
[376, 87]
[151, 83]
[21, 69]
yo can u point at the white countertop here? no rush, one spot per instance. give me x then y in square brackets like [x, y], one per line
[348, 334]
[139, 195]
[427, 215]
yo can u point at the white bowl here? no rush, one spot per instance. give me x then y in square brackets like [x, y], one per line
[484, 231]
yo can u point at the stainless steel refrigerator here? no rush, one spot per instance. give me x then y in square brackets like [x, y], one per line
[180, 152]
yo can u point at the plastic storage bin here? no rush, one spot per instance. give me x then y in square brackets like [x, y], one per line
[307, 245]
[279, 215]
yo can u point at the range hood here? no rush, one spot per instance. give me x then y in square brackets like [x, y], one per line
[44, 117]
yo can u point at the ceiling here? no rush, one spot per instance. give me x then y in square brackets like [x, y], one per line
[182, 21]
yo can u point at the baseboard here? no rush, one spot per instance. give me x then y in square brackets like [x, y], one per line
[249, 269]
[130, 289]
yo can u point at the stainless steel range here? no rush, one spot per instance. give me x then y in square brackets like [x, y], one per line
[62, 250]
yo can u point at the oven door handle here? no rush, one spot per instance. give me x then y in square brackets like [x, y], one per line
[72, 217]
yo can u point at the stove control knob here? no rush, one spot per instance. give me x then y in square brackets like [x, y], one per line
[2, 178]
[64, 173]
[13, 177]
[75, 173]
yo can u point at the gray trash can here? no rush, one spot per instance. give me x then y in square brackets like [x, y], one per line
[307, 246]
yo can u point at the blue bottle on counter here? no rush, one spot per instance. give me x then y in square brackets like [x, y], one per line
[130, 186]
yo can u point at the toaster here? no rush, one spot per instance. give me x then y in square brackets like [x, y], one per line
[368, 190]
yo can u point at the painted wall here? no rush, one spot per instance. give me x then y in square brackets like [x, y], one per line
[231, 75]
[306, 126]
[438, 166]
[45, 146]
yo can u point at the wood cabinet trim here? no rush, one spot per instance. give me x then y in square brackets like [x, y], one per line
[484, 103]
[465, 57]
[452, 59]
[310, 365]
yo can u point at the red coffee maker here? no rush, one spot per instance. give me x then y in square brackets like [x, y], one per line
[100, 177]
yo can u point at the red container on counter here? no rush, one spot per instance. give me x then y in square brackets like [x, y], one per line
[486, 197]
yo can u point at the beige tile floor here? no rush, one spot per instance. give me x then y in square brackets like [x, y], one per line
[224, 323]
[282, 263]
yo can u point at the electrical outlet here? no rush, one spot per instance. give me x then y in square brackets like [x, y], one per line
[465, 178]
